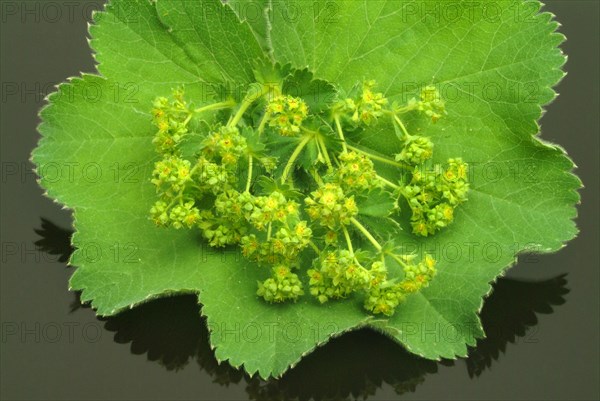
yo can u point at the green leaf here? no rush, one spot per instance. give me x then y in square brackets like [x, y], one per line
[194, 140]
[377, 203]
[271, 74]
[318, 94]
[268, 185]
[212, 37]
[375, 212]
[256, 13]
[96, 156]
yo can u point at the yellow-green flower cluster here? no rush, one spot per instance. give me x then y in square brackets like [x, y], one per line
[433, 195]
[368, 107]
[271, 208]
[282, 286]
[174, 208]
[199, 188]
[417, 276]
[378, 273]
[455, 185]
[283, 246]
[384, 299]
[416, 150]
[287, 114]
[226, 145]
[184, 215]
[287, 235]
[213, 177]
[385, 295]
[159, 213]
[171, 174]
[221, 231]
[180, 182]
[330, 206]
[234, 204]
[170, 117]
[431, 103]
[356, 172]
[338, 276]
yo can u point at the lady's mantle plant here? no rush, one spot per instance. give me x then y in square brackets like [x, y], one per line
[306, 170]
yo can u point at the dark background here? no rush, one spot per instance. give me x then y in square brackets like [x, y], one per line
[543, 326]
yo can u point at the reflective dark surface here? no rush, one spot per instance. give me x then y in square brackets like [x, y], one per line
[170, 332]
[541, 320]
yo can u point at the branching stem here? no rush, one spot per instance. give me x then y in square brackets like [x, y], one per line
[323, 148]
[382, 159]
[263, 122]
[250, 166]
[401, 125]
[348, 241]
[247, 102]
[366, 233]
[315, 175]
[215, 106]
[340, 132]
[388, 183]
[314, 247]
[399, 260]
[295, 154]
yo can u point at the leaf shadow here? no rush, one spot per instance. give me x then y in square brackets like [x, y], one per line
[509, 313]
[171, 332]
[55, 240]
